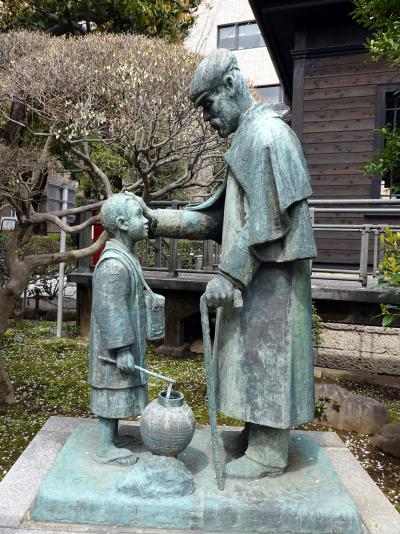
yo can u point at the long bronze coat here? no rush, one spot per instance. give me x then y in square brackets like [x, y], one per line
[264, 362]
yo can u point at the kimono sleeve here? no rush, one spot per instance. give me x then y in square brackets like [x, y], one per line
[240, 263]
[200, 222]
[111, 303]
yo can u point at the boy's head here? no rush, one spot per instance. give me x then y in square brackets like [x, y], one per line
[121, 213]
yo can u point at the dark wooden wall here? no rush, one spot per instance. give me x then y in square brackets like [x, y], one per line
[339, 121]
[335, 115]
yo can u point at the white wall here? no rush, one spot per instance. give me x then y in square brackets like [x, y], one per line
[255, 63]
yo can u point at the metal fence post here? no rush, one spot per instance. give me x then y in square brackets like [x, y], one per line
[207, 255]
[173, 250]
[364, 256]
[376, 254]
[312, 219]
[158, 245]
[85, 238]
[217, 255]
[61, 272]
[312, 215]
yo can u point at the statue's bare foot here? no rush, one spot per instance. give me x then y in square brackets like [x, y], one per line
[246, 468]
[114, 455]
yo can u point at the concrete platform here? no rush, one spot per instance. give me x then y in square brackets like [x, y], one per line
[20, 486]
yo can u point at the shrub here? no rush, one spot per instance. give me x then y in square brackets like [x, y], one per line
[390, 274]
[45, 277]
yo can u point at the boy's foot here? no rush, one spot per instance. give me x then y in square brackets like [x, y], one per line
[114, 455]
[124, 441]
[246, 468]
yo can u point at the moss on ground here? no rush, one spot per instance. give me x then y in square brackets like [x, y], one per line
[50, 378]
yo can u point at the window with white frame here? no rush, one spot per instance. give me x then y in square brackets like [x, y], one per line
[270, 93]
[240, 36]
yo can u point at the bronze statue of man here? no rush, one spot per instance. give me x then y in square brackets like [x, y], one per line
[260, 215]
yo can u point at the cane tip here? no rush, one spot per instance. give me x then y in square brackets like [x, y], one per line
[220, 484]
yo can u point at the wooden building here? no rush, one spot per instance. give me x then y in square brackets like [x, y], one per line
[338, 96]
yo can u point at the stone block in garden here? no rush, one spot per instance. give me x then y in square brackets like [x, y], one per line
[350, 412]
[388, 439]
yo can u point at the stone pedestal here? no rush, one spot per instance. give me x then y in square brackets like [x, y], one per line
[321, 491]
[309, 498]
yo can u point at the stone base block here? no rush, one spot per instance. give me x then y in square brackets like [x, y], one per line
[19, 488]
[308, 499]
[176, 352]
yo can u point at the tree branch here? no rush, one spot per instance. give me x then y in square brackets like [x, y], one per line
[37, 218]
[90, 164]
[68, 256]
[23, 125]
[75, 211]
[42, 162]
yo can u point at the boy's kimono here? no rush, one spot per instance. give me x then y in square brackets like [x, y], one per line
[118, 320]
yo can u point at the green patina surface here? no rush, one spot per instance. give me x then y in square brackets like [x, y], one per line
[309, 498]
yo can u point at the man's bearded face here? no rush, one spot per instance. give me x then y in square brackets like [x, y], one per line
[221, 111]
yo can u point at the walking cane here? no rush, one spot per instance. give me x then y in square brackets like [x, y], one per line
[210, 379]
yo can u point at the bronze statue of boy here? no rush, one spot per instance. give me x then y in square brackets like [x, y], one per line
[118, 338]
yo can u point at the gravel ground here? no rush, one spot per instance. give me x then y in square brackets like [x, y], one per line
[383, 468]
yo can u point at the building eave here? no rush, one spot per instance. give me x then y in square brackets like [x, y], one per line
[279, 22]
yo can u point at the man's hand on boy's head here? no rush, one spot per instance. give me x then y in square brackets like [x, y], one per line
[147, 212]
[125, 361]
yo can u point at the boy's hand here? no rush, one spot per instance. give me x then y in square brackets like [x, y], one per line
[126, 361]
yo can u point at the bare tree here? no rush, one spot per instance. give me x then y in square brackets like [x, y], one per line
[128, 93]
[103, 104]
[21, 180]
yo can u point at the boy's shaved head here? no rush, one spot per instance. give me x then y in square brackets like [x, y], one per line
[114, 207]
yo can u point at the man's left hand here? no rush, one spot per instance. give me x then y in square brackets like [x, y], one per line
[219, 291]
[147, 212]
